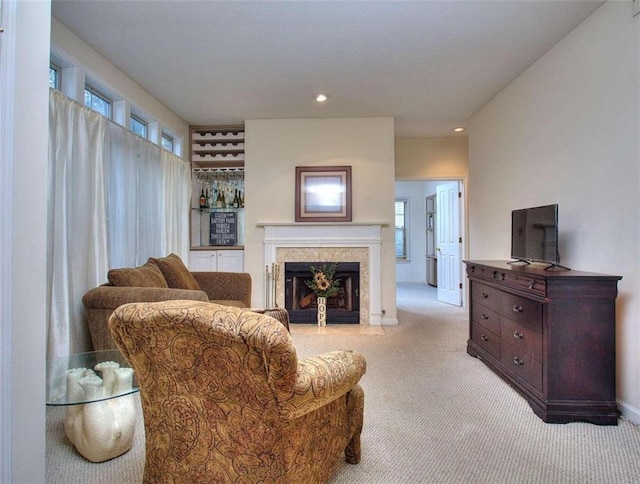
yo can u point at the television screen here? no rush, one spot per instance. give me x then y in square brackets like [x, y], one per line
[534, 234]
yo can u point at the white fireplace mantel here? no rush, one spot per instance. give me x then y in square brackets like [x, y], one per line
[332, 235]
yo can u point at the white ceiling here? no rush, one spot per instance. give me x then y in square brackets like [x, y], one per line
[429, 64]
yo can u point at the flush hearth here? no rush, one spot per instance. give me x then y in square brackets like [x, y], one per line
[300, 301]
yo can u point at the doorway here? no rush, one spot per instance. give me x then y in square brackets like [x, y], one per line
[431, 253]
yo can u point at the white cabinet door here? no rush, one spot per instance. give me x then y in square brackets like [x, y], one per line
[217, 260]
[202, 260]
[230, 261]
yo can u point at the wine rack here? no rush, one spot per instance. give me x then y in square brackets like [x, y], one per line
[215, 146]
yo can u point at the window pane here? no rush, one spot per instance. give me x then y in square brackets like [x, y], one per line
[98, 103]
[400, 225]
[167, 142]
[53, 77]
[400, 245]
[138, 126]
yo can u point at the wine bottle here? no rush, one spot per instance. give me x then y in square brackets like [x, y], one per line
[203, 200]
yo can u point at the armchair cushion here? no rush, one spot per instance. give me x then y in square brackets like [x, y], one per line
[175, 272]
[225, 398]
[148, 275]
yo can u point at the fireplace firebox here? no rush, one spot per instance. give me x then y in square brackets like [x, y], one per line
[300, 301]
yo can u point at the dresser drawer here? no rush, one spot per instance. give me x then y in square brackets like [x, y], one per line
[486, 339]
[485, 316]
[521, 339]
[486, 295]
[521, 310]
[534, 285]
[518, 356]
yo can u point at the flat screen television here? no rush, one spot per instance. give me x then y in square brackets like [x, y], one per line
[534, 235]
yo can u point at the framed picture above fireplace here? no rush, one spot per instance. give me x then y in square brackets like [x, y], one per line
[323, 194]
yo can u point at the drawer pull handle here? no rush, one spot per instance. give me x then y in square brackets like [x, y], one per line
[531, 284]
[484, 295]
[517, 309]
[518, 361]
[494, 274]
[484, 316]
[518, 335]
[484, 337]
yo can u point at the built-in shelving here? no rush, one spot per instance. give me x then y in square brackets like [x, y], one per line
[217, 208]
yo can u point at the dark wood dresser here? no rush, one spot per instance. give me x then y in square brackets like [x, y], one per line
[550, 334]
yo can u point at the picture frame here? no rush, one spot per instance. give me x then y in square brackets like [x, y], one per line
[323, 194]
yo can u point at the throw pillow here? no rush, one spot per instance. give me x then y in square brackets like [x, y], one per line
[175, 272]
[148, 275]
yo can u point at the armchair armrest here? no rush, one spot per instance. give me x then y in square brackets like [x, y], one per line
[225, 285]
[321, 379]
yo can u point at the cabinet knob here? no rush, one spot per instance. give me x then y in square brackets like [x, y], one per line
[531, 284]
[518, 335]
[484, 316]
[517, 309]
[484, 295]
[518, 361]
[484, 337]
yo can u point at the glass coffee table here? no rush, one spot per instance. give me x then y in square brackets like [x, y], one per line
[98, 390]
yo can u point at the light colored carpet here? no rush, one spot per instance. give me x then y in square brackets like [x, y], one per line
[433, 414]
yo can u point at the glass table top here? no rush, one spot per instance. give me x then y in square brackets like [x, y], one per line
[89, 377]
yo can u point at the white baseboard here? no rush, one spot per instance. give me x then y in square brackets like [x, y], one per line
[389, 322]
[629, 412]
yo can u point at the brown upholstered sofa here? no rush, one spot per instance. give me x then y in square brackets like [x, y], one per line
[162, 279]
[225, 398]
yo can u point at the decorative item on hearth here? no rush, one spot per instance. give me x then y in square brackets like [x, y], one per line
[324, 285]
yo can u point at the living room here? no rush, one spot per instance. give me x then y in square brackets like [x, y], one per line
[564, 131]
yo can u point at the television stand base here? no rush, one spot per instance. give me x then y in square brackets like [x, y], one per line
[553, 267]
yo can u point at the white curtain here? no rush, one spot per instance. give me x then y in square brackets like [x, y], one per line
[114, 200]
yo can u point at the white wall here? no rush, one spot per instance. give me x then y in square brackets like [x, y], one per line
[24, 91]
[273, 148]
[567, 131]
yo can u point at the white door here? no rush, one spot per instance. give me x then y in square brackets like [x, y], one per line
[448, 243]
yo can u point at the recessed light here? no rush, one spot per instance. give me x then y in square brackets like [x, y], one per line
[321, 98]
[459, 129]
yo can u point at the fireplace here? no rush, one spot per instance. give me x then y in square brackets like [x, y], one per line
[338, 242]
[300, 300]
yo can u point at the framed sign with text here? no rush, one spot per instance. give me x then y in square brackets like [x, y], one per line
[223, 228]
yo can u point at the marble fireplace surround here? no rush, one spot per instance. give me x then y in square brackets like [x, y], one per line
[330, 242]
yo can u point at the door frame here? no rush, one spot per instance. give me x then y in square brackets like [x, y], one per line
[464, 221]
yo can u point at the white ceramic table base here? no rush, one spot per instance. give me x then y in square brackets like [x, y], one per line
[101, 430]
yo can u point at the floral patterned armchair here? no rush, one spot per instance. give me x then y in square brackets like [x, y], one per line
[225, 398]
